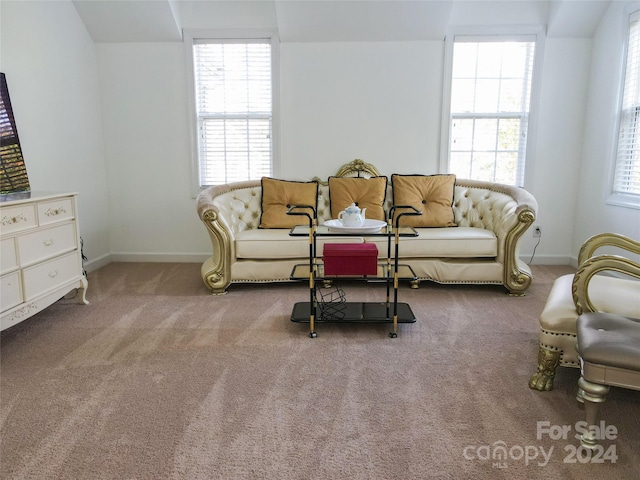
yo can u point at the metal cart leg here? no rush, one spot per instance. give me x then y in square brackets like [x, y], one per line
[312, 285]
[394, 333]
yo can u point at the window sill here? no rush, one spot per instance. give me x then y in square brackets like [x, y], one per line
[624, 200]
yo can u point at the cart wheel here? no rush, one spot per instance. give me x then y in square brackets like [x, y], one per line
[393, 334]
[313, 335]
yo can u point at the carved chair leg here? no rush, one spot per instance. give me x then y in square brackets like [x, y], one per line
[592, 395]
[548, 362]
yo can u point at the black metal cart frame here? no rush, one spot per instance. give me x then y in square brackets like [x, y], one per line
[366, 312]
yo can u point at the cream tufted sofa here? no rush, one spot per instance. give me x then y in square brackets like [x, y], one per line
[482, 249]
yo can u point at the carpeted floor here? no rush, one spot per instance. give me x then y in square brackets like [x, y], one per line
[156, 379]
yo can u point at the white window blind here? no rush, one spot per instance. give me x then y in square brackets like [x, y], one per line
[627, 172]
[233, 94]
[490, 98]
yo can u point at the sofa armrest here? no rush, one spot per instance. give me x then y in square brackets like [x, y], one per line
[226, 210]
[506, 210]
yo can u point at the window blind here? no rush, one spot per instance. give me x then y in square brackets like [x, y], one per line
[490, 97]
[233, 93]
[627, 171]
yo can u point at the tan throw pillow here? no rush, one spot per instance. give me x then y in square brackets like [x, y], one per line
[430, 194]
[366, 193]
[279, 195]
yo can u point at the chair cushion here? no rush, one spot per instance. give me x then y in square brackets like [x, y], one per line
[608, 294]
[609, 339]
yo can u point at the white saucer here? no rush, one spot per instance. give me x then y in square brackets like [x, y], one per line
[369, 226]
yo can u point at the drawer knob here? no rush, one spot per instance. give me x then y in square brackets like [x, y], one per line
[11, 220]
[47, 243]
[52, 212]
[53, 274]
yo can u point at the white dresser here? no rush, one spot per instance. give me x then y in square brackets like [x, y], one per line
[40, 256]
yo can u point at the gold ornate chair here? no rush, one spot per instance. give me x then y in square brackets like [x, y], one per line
[586, 291]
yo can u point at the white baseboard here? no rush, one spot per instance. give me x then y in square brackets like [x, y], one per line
[201, 257]
[104, 260]
[548, 260]
[160, 257]
[97, 263]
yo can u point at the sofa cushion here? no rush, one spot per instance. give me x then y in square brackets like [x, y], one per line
[275, 244]
[279, 195]
[462, 242]
[366, 193]
[430, 194]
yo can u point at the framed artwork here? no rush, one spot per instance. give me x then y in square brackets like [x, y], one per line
[13, 172]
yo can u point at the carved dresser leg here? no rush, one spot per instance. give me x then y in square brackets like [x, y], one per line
[548, 362]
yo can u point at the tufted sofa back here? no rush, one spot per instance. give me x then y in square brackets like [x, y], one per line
[475, 204]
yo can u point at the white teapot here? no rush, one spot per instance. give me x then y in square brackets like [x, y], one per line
[352, 216]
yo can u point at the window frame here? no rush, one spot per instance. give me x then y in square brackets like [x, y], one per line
[191, 36]
[535, 33]
[620, 199]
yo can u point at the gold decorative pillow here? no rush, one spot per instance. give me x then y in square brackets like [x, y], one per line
[430, 194]
[279, 195]
[366, 193]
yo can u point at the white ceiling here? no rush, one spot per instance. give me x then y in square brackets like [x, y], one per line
[114, 21]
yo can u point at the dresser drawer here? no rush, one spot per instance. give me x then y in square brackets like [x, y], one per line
[8, 257]
[10, 291]
[46, 243]
[55, 210]
[46, 276]
[15, 219]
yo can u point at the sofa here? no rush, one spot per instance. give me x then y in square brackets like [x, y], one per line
[478, 244]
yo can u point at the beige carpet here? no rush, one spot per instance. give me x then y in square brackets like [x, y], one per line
[156, 379]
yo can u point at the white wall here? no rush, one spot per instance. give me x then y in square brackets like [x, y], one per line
[378, 101]
[593, 215]
[144, 104]
[381, 102]
[51, 69]
[556, 158]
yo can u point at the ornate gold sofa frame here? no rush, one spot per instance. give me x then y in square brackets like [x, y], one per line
[486, 212]
[585, 291]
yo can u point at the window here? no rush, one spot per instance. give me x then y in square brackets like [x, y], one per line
[233, 110]
[626, 179]
[488, 114]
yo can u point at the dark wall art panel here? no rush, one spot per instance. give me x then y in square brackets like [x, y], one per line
[13, 172]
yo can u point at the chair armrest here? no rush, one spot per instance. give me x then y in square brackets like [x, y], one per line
[593, 266]
[606, 240]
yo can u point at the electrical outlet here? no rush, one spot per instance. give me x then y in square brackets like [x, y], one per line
[537, 231]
